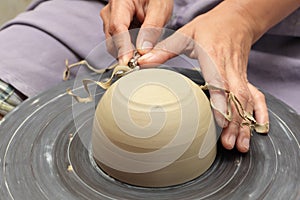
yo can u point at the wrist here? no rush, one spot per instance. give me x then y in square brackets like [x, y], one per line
[236, 18]
[261, 15]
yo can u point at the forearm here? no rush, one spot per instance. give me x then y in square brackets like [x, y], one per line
[261, 14]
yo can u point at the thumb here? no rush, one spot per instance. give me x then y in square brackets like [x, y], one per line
[147, 39]
[157, 15]
[168, 48]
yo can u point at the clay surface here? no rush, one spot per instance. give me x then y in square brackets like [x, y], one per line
[154, 128]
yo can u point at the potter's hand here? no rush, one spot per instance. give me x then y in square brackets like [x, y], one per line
[119, 15]
[225, 38]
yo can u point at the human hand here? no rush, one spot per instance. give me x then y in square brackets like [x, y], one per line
[119, 15]
[221, 40]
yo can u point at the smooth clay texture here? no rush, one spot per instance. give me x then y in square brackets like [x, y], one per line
[154, 128]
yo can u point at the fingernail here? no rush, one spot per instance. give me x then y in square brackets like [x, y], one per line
[147, 45]
[231, 140]
[246, 143]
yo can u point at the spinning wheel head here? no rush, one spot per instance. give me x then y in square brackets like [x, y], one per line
[39, 160]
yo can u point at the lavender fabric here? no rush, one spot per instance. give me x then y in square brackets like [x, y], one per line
[36, 43]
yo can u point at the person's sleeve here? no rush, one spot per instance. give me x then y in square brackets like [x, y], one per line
[35, 45]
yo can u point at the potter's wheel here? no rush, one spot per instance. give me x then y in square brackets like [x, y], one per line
[43, 157]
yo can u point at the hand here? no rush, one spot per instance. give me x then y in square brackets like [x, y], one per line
[119, 15]
[221, 40]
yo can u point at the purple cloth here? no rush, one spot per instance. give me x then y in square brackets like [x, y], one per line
[185, 10]
[35, 44]
[274, 66]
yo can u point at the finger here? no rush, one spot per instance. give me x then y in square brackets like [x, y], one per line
[243, 140]
[111, 47]
[147, 38]
[243, 103]
[229, 134]
[219, 103]
[122, 13]
[260, 106]
[166, 49]
[105, 15]
[124, 47]
[215, 75]
[157, 14]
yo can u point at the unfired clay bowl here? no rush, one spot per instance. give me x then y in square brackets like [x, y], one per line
[154, 128]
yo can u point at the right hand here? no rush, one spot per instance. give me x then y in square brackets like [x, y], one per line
[221, 40]
[119, 15]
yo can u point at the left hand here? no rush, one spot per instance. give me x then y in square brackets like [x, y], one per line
[119, 15]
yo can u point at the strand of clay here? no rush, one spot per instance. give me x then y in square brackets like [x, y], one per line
[233, 100]
[119, 71]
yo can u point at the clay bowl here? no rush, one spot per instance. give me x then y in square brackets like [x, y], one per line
[154, 128]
